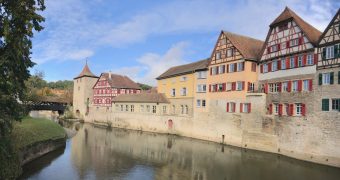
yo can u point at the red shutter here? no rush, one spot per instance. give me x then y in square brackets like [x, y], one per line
[261, 68]
[316, 58]
[304, 60]
[227, 107]
[249, 108]
[227, 68]
[210, 71]
[310, 85]
[248, 88]
[287, 44]
[209, 87]
[243, 84]
[287, 63]
[303, 109]
[118, 91]
[289, 86]
[270, 108]
[233, 86]
[266, 88]
[278, 65]
[268, 50]
[299, 85]
[269, 67]
[300, 40]
[223, 86]
[291, 109]
[280, 86]
[280, 109]
[279, 47]
[216, 87]
[296, 61]
[241, 107]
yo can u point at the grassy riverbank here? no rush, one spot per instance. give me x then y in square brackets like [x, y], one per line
[25, 133]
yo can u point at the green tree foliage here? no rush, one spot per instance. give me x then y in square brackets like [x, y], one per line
[144, 86]
[18, 20]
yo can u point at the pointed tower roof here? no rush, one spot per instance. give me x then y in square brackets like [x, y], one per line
[311, 32]
[86, 72]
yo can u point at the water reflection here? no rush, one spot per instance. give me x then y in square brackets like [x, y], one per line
[99, 153]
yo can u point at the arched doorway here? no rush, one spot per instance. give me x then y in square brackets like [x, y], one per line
[170, 124]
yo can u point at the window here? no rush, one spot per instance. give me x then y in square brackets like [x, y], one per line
[229, 52]
[229, 86]
[298, 109]
[305, 85]
[265, 68]
[183, 78]
[201, 88]
[310, 59]
[198, 103]
[173, 92]
[251, 87]
[286, 109]
[184, 91]
[231, 67]
[273, 87]
[291, 62]
[283, 63]
[325, 105]
[326, 78]
[203, 103]
[294, 42]
[240, 66]
[283, 45]
[220, 87]
[182, 109]
[126, 107]
[246, 107]
[132, 107]
[274, 65]
[284, 86]
[186, 109]
[218, 55]
[147, 108]
[300, 61]
[201, 74]
[253, 67]
[214, 70]
[153, 109]
[336, 104]
[283, 27]
[276, 108]
[164, 110]
[274, 48]
[141, 108]
[121, 108]
[329, 52]
[295, 86]
[231, 107]
[221, 69]
[239, 85]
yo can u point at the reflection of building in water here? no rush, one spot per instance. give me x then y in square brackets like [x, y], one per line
[104, 153]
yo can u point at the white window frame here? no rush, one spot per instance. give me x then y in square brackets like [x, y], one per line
[295, 85]
[183, 91]
[305, 85]
[218, 55]
[284, 87]
[292, 62]
[265, 68]
[173, 92]
[231, 67]
[300, 61]
[298, 109]
[229, 52]
[245, 107]
[229, 86]
[198, 103]
[326, 78]
[310, 59]
[329, 52]
[239, 86]
[283, 63]
[274, 66]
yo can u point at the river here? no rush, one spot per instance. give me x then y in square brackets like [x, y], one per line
[101, 153]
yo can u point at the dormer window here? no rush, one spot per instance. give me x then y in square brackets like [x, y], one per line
[283, 27]
[218, 55]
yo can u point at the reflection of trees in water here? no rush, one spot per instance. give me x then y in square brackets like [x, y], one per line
[114, 153]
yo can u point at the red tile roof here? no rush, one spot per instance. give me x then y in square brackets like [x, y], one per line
[119, 81]
[86, 72]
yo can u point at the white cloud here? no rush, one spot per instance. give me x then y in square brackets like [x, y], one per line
[151, 65]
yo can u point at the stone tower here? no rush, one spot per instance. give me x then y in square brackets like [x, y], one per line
[82, 91]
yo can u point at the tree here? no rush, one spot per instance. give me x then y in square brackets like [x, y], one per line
[18, 20]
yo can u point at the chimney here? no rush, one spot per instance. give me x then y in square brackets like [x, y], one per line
[110, 75]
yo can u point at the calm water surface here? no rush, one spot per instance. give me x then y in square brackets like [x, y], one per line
[99, 153]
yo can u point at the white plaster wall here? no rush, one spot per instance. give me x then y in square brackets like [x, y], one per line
[288, 72]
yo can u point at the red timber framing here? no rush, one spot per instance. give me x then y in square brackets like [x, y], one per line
[104, 91]
[329, 45]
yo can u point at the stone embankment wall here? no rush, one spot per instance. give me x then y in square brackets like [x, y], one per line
[309, 138]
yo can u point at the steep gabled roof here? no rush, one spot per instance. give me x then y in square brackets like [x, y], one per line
[329, 25]
[86, 72]
[185, 69]
[142, 98]
[249, 47]
[119, 81]
[311, 32]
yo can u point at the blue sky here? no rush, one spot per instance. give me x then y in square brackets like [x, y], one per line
[142, 39]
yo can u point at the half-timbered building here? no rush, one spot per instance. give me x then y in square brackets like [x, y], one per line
[111, 85]
[233, 71]
[328, 68]
[287, 65]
